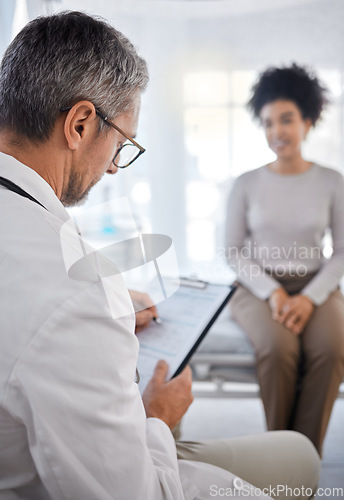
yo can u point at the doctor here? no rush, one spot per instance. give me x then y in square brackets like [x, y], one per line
[72, 422]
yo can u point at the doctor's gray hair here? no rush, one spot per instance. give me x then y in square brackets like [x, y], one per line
[59, 60]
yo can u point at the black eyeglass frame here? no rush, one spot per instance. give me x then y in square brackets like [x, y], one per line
[106, 120]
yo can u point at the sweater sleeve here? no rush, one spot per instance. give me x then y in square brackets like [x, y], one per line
[331, 272]
[249, 272]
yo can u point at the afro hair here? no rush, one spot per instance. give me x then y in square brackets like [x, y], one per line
[294, 83]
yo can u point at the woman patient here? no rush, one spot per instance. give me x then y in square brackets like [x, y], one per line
[288, 301]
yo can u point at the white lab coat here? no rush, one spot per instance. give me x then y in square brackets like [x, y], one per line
[72, 422]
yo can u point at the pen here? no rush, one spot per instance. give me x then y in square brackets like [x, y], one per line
[157, 320]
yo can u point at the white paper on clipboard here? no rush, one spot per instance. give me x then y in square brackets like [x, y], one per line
[186, 317]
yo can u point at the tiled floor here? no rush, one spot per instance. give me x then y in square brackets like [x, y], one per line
[209, 418]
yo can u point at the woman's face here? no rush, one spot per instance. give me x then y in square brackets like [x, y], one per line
[284, 128]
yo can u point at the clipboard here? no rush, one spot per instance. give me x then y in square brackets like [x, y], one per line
[186, 317]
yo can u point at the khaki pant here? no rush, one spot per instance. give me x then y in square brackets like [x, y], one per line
[299, 376]
[284, 459]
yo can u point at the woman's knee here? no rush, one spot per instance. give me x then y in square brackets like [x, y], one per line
[281, 351]
[328, 351]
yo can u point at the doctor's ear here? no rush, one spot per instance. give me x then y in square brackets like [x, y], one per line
[77, 123]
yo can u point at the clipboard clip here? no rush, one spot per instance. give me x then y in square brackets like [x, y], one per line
[192, 282]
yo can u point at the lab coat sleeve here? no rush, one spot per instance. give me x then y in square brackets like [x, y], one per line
[74, 390]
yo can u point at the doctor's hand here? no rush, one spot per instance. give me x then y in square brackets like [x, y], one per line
[144, 308]
[168, 400]
[297, 312]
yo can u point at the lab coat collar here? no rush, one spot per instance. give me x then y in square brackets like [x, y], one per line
[29, 180]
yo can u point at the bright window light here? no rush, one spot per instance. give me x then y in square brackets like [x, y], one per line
[202, 199]
[21, 17]
[207, 138]
[141, 193]
[242, 82]
[250, 149]
[201, 240]
[332, 78]
[206, 88]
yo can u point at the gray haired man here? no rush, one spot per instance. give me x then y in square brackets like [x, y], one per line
[72, 422]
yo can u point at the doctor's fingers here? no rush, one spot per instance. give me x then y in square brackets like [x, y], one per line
[144, 302]
[143, 318]
[160, 372]
[185, 377]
